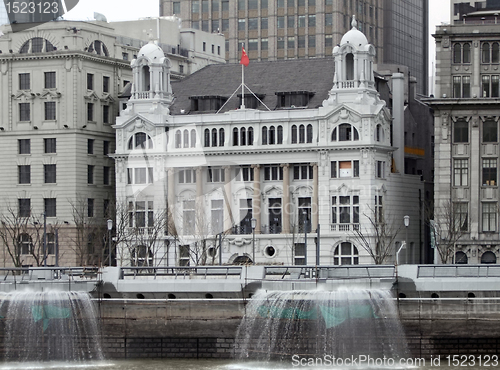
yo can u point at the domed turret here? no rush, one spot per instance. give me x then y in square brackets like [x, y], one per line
[354, 37]
[151, 51]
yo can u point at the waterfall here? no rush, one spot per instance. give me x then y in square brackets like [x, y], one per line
[50, 326]
[343, 323]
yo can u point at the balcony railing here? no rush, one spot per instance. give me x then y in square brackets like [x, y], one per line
[344, 227]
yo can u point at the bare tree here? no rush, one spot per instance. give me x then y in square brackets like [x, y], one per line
[448, 226]
[378, 237]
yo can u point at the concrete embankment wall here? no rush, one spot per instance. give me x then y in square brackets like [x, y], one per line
[207, 327]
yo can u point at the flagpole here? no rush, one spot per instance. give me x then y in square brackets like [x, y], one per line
[242, 87]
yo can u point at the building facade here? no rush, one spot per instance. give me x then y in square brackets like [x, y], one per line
[284, 29]
[307, 169]
[466, 141]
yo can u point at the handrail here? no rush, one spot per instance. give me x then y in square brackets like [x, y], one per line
[183, 272]
[458, 271]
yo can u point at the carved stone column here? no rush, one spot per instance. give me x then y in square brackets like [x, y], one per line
[286, 199]
[314, 203]
[171, 198]
[256, 203]
[228, 200]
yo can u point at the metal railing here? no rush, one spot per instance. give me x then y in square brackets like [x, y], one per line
[458, 271]
[8, 274]
[330, 272]
[196, 272]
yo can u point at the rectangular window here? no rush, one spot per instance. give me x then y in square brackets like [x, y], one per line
[489, 216]
[345, 210]
[50, 207]
[489, 171]
[90, 146]
[461, 216]
[24, 81]
[188, 217]
[379, 210]
[90, 174]
[290, 21]
[328, 19]
[465, 86]
[264, 23]
[273, 173]
[215, 174]
[24, 111]
[304, 215]
[461, 172]
[217, 216]
[299, 254]
[461, 131]
[241, 24]
[486, 86]
[311, 41]
[105, 147]
[106, 175]
[311, 20]
[244, 174]
[50, 145]
[187, 176]
[90, 207]
[24, 174]
[302, 172]
[24, 146]
[50, 110]
[90, 81]
[105, 84]
[49, 171]
[253, 23]
[490, 131]
[105, 113]
[302, 21]
[495, 86]
[457, 86]
[281, 22]
[245, 226]
[380, 170]
[50, 80]
[264, 44]
[274, 212]
[184, 255]
[90, 111]
[24, 206]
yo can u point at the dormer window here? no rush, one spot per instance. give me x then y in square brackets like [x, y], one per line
[293, 99]
[252, 101]
[98, 47]
[207, 103]
[345, 132]
[140, 140]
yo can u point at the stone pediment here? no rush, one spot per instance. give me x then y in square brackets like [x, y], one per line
[24, 95]
[108, 99]
[91, 95]
[137, 123]
[50, 95]
[344, 114]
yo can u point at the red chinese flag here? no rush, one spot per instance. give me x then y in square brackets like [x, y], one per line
[244, 57]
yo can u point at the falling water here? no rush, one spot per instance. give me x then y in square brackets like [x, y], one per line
[50, 326]
[342, 323]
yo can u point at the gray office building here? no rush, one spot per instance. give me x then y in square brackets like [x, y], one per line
[288, 29]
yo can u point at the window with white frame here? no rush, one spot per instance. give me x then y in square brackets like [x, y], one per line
[380, 170]
[244, 173]
[217, 214]
[187, 176]
[379, 210]
[489, 171]
[489, 216]
[215, 174]
[245, 226]
[461, 86]
[140, 175]
[302, 172]
[461, 216]
[184, 255]
[345, 132]
[188, 217]
[460, 172]
[299, 254]
[141, 255]
[273, 173]
[140, 140]
[346, 254]
[141, 214]
[304, 214]
[340, 169]
[345, 209]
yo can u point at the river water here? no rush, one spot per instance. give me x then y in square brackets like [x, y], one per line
[192, 364]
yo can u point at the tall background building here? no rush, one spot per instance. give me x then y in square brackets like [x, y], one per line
[460, 8]
[282, 29]
[4, 19]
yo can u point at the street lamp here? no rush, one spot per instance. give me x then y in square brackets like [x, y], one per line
[254, 224]
[406, 220]
[110, 226]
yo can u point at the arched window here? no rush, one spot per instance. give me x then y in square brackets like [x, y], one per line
[221, 137]
[495, 56]
[294, 134]
[486, 53]
[193, 138]
[235, 136]
[264, 135]
[243, 136]
[460, 258]
[345, 132]
[349, 64]
[178, 139]
[466, 52]
[345, 254]
[309, 133]
[272, 135]
[302, 134]
[140, 140]
[98, 47]
[488, 258]
[37, 45]
[186, 138]
[457, 53]
[214, 137]
[141, 256]
[146, 84]
[279, 138]
[250, 136]
[207, 137]
[25, 244]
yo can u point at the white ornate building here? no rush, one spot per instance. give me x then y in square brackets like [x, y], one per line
[308, 157]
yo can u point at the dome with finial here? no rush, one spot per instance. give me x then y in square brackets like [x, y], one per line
[151, 50]
[354, 37]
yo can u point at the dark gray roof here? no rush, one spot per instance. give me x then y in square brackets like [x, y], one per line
[263, 78]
